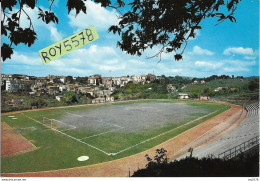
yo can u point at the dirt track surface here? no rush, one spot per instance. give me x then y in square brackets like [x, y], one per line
[201, 134]
[12, 142]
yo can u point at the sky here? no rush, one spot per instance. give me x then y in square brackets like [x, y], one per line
[228, 48]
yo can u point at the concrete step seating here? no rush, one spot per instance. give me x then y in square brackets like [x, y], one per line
[252, 109]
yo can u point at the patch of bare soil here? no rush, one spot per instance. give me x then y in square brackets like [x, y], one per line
[13, 142]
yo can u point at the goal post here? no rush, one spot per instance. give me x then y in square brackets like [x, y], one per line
[56, 124]
[47, 122]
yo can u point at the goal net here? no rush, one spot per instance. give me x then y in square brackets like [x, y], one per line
[56, 124]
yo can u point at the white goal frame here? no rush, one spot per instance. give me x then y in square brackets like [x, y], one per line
[44, 119]
[69, 127]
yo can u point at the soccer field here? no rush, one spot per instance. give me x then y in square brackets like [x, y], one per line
[101, 132]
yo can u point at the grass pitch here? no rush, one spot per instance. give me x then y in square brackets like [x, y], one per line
[102, 132]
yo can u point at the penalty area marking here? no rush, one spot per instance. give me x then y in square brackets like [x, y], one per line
[14, 118]
[100, 134]
[83, 158]
[69, 136]
[11, 116]
[73, 114]
[101, 121]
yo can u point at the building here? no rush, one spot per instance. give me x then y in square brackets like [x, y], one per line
[95, 80]
[53, 90]
[195, 82]
[85, 90]
[98, 100]
[217, 89]
[62, 88]
[150, 77]
[204, 98]
[110, 99]
[59, 98]
[17, 101]
[171, 88]
[63, 79]
[12, 86]
[183, 96]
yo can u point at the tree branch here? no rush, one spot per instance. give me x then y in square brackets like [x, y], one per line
[51, 5]
[116, 8]
[31, 25]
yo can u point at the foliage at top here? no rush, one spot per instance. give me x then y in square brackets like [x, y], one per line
[168, 24]
[163, 23]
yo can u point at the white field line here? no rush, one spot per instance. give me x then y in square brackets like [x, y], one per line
[73, 114]
[69, 125]
[68, 129]
[33, 119]
[82, 142]
[101, 121]
[74, 127]
[95, 120]
[100, 134]
[110, 124]
[163, 133]
[69, 136]
[26, 127]
[43, 115]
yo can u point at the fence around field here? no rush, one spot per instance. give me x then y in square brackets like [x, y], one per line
[233, 152]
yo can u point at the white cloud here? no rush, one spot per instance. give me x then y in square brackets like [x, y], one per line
[238, 50]
[71, 70]
[95, 53]
[212, 65]
[176, 70]
[113, 61]
[236, 69]
[19, 58]
[199, 51]
[111, 67]
[241, 63]
[96, 15]
[55, 35]
[249, 58]
[138, 62]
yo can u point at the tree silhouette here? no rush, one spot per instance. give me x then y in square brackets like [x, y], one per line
[148, 23]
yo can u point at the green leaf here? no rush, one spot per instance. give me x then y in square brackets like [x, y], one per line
[178, 57]
[8, 4]
[78, 5]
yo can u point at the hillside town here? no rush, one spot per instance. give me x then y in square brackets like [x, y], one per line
[96, 87]
[20, 92]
